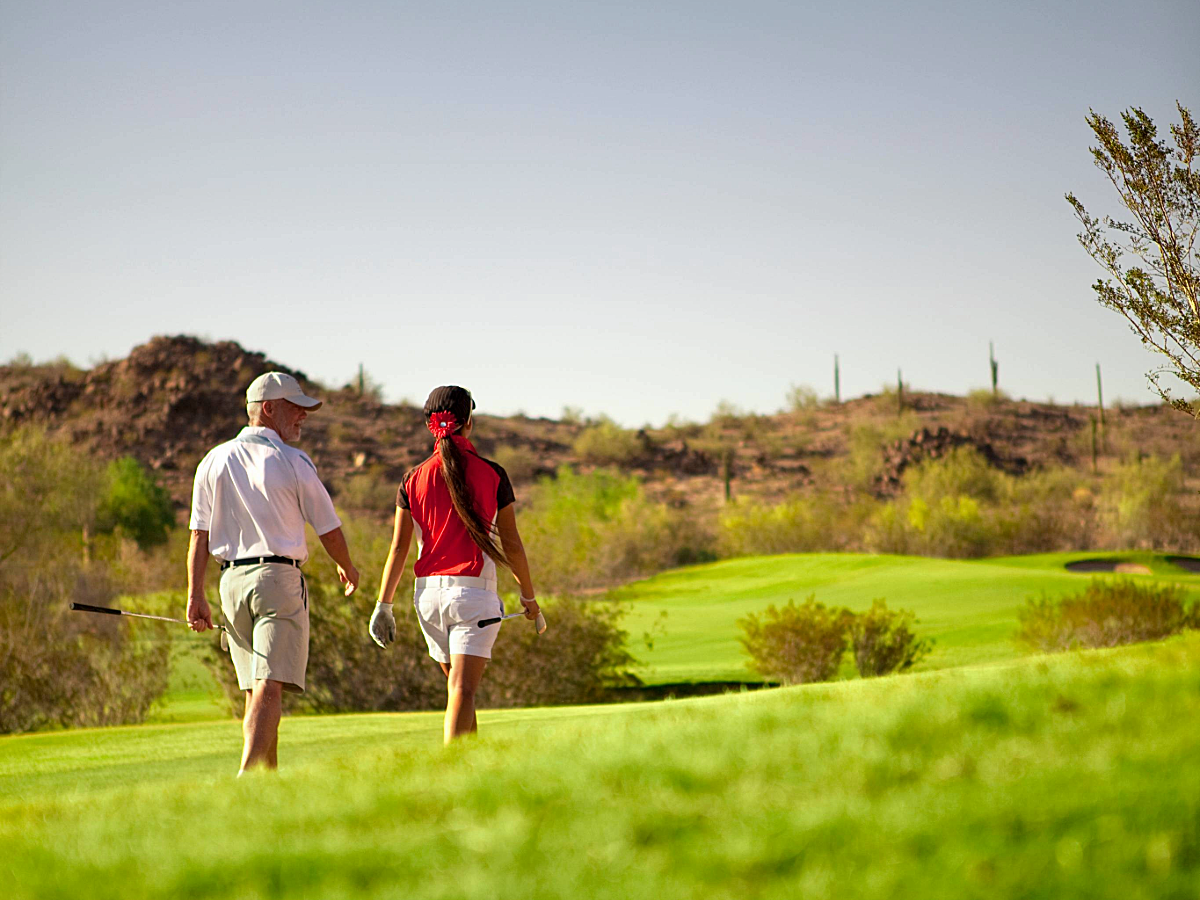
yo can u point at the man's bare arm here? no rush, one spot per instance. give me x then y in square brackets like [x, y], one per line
[334, 543]
[199, 616]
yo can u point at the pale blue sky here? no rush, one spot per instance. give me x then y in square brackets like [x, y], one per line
[634, 208]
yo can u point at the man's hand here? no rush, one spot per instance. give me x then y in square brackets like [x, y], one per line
[531, 608]
[348, 575]
[199, 616]
[383, 625]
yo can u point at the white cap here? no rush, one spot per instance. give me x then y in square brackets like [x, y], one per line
[279, 386]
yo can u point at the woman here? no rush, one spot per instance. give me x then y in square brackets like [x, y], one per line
[457, 502]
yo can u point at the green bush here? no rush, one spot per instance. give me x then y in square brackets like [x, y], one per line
[1106, 614]
[134, 501]
[520, 463]
[796, 644]
[597, 529]
[64, 669]
[1141, 505]
[749, 527]
[960, 506]
[59, 668]
[48, 495]
[802, 398]
[580, 659]
[607, 443]
[882, 641]
[369, 490]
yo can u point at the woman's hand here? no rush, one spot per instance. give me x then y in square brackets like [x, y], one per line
[531, 608]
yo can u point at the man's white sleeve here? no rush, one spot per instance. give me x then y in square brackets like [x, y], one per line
[314, 499]
[201, 519]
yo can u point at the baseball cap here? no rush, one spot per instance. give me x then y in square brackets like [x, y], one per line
[279, 386]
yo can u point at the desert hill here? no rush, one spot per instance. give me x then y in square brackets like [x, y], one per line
[173, 398]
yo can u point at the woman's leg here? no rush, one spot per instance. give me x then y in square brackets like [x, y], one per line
[462, 681]
[446, 672]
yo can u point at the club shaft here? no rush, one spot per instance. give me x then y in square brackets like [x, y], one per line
[113, 611]
[484, 623]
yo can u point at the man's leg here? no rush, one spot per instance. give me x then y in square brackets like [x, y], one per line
[260, 728]
[462, 682]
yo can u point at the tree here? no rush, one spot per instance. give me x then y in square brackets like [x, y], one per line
[1158, 293]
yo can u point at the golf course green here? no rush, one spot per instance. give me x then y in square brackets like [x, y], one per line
[969, 607]
[1064, 776]
[993, 774]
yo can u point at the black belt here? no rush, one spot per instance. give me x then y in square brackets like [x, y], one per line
[259, 560]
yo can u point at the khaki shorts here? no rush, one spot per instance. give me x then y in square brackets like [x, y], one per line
[266, 609]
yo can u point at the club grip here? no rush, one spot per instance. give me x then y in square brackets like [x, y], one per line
[85, 607]
[484, 623]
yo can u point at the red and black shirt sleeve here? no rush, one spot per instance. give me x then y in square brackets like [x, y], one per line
[402, 500]
[504, 490]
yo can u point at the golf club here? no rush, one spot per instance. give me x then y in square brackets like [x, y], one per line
[113, 611]
[539, 622]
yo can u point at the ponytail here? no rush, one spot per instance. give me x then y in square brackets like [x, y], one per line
[444, 424]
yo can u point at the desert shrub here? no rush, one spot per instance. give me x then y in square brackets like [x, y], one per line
[600, 528]
[48, 490]
[801, 398]
[369, 490]
[727, 415]
[985, 398]
[1106, 613]
[749, 527]
[607, 443]
[135, 502]
[796, 644]
[580, 659]
[949, 526]
[882, 640]
[960, 506]
[58, 668]
[520, 463]
[63, 669]
[1141, 505]
[865, 443]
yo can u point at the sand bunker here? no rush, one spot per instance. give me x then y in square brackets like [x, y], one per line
[1110, 565]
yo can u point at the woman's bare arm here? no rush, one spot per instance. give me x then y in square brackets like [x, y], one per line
[510, 542]
[397, 555]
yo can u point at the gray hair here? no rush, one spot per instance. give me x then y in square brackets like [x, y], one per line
[254, 411]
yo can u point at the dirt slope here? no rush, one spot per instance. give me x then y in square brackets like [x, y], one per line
[175, 397]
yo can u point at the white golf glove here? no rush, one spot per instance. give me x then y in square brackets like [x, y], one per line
[383, 625]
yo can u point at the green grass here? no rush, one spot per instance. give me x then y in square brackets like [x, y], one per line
[1047, 777]
[193, 694]
[969, 607]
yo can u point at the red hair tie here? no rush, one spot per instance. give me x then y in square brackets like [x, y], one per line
[442, 424]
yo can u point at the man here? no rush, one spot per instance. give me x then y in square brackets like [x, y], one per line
[250, 500]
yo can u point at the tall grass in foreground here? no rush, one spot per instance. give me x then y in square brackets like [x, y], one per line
[1059, 777]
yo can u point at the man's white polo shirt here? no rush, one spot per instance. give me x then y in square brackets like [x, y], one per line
[253, 495]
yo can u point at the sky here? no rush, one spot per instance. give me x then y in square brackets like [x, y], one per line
[639, 209]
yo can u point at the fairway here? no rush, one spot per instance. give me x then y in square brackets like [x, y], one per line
[969, 607]
[1042, 777]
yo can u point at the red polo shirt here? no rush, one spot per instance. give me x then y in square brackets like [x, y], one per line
[444, 546]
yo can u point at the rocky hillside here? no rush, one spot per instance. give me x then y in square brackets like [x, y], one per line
[175, 397]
